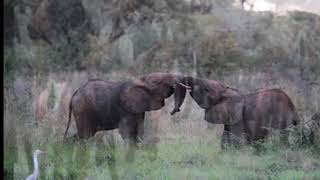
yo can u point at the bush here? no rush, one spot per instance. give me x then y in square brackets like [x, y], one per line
[67, 56]
[16, 61]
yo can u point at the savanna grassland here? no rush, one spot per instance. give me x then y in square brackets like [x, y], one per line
[53, 47]
[188, 147]
[176, 160]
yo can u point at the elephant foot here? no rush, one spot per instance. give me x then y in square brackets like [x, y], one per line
[112, 166]
[130, 155]
[258, 148]
[71, 139]
[230, 144]
[224, 146]
[149, 145]
[114, 175]
[152, 152]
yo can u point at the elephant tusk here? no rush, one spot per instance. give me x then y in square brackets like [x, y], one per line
[185, 86]
[174, 111]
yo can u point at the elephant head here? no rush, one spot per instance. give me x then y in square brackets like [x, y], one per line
[222, 104]
[149, 92]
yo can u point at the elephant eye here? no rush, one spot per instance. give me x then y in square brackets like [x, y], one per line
[206, 89]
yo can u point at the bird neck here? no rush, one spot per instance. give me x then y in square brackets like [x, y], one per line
[35, 162]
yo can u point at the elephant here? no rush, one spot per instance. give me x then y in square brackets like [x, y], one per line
[106, 105]
[247, 118]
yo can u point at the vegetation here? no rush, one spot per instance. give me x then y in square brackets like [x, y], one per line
[177, 159]
[47, 59]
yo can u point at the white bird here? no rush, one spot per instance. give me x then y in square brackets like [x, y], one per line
[35, 173]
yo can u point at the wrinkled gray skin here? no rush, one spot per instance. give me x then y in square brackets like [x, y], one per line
[106, 105]
[246, 118]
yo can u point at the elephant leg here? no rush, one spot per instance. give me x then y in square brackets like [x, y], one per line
[131, 151]
[111, 160]
[71, 139]
[109, 157]
[225, 140]
[234, 139]
[85, 125]
[128, 129]
[149, 142]
[140, 128]
[284, 137]
[237, 134]
[232, 135]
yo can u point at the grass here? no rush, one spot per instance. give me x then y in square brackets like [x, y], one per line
[188, 149]
[175, 160]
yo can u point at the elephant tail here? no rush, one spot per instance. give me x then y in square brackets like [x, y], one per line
[70, 111]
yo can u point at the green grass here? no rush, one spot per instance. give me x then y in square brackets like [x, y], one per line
[175, 160]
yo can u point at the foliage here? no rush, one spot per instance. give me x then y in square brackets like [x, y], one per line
[257, 40]
[67, 56]
[176, 160]
[16, 61]
[10, 65]
[303, 16]
[213, 44]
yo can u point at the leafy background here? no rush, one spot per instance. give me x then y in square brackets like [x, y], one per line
[52, 47]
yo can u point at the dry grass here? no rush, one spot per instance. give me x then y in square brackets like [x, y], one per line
[188, 148]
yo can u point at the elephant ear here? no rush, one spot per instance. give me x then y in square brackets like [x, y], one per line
[136, 98]
[228, 111]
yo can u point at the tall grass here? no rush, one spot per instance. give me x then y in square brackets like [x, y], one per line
[175, 160]
[188, 147]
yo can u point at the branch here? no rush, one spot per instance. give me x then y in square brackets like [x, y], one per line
[313, 84]
[30, 4]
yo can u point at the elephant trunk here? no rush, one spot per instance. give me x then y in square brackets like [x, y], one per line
[187, 82]
[179, 95]
[181, 86]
